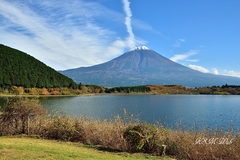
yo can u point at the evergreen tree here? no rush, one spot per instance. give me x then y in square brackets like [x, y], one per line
[20, 69]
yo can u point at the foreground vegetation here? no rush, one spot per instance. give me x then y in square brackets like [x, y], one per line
[27, 116]
[22, 147]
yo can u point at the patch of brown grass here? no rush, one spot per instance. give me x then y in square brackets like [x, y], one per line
[105, 133]
[205, 144]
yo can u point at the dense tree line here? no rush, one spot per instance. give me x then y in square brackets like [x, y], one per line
[128, 89]
[224, 89]
[20, 69]
[177, 89]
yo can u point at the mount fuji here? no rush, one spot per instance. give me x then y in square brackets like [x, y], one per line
[143, 66]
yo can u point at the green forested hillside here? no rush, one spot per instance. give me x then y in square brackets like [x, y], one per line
[20, 69]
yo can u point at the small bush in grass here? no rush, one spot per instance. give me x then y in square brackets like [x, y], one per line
[19, 115]
[59, 128]
[143, 138]
[63, 128]
[79, 133]
[105, 133]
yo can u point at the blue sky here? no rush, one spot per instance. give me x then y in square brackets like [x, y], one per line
[203, 35]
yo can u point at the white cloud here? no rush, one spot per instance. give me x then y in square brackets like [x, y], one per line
[192, 60]
[178, 42]
[64, 35]
[215, 70]
[230, 73]
[184, 56]
[226, 72]
[199, 68]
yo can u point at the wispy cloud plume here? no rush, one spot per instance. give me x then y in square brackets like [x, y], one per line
[60, 33]
[184, 56]
[199, 68]
[131, 38]
[53, 32]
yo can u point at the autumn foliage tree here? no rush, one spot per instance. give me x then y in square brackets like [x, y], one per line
[44, 91]
[20, 90]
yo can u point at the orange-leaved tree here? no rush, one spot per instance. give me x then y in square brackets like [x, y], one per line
[44, 91]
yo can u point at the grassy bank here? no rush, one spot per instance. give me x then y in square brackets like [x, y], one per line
[121, 134]
[29, 148]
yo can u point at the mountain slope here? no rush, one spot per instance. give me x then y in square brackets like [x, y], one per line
[20, 69]
[142, 66]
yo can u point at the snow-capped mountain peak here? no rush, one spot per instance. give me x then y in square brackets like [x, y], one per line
[139, 48]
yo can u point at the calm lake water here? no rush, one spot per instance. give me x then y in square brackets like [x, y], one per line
[220, 111]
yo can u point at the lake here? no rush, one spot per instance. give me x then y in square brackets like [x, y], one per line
[220, 111]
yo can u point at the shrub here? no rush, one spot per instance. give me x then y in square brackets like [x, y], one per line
[33, 91]
[79, 133]
[54, 92]
[18, 113]
[44, 91]
[19, 90]
[108, 134]
[64, 128]
[143, 138]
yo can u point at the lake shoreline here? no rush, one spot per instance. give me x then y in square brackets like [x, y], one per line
[24, 95]
[92, 94]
